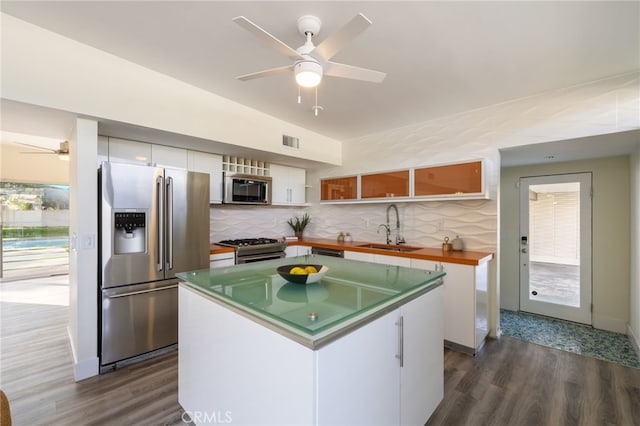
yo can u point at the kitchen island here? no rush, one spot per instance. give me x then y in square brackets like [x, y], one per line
[362, 346]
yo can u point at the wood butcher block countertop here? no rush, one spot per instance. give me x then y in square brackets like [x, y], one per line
[216, 249]
[434, 254]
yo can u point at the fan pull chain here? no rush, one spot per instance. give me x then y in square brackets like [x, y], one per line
[316, 107]
[299, 97]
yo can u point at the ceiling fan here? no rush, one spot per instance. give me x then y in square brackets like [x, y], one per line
[311, 62]
[62, 153]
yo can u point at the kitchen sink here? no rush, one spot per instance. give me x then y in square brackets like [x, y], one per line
[389, 247]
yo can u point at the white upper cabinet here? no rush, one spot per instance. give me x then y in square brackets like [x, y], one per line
[126, 151]
[288, 185]
[208, 163]
[166, 156]
[103, 149]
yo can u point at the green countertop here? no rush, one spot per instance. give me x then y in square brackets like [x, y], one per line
[349, 294]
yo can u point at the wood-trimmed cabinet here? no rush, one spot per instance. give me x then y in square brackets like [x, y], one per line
[385, 185]
[450, 179]
[453, 181]
[339, 189]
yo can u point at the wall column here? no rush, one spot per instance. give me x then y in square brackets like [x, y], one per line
[83, 257]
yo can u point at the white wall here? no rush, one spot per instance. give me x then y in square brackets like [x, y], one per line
[610, 236]
[83, 256]
[634, 293]
[43, 68]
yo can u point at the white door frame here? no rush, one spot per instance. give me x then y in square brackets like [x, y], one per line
[582, 313]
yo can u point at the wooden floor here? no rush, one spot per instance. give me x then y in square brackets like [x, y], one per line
[510, 383]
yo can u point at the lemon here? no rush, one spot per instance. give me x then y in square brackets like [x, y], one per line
[311, 270]
[296, 270]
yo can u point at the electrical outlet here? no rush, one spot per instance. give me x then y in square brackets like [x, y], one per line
[366, 223]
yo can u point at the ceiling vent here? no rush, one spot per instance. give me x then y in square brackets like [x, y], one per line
[290, 141]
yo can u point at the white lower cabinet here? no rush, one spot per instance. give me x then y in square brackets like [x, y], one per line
[387, 372]
[465, 303]
[293, 251]
[377, 258]
[221, 260]
[356, 255]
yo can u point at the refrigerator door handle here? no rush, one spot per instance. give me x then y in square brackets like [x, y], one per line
[169, 223]
[160, 229]
[142, 291]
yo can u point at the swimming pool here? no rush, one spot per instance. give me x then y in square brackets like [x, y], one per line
[30, 243]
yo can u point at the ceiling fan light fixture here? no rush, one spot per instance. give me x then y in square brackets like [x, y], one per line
[308, 73]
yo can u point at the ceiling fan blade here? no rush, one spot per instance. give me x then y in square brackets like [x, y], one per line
[266, 37]
[335, 69]
[37, 153]
[50, 151]
[266, 73]
[336, 41]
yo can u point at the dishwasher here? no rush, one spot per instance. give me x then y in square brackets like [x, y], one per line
[327, 252]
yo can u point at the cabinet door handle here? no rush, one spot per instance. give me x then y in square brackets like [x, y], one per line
[400, 354]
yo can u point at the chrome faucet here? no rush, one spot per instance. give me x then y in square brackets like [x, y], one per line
[399, 239]
[387, 231]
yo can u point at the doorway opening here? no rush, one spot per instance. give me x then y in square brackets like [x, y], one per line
[555, 246]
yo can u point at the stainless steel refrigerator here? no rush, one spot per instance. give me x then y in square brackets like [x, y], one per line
[154, 223]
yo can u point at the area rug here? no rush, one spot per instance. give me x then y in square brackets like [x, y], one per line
[571, 337]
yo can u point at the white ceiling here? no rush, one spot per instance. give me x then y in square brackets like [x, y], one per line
[440, 57]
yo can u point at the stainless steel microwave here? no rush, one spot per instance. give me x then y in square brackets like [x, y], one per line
[246, 189]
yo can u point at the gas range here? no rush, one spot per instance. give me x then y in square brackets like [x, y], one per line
[256, 249]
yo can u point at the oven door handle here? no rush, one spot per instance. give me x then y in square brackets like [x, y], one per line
[263, 256]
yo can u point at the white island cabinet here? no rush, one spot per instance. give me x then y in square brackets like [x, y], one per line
[373, 356]
[387, 373]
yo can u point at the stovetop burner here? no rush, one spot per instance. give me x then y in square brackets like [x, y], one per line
[248, 242]
[254, 249]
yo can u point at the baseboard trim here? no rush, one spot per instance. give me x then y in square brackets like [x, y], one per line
[85, 368]
[635, 340]
[610, 324]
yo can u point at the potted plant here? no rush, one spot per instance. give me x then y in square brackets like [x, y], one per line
[298, 224]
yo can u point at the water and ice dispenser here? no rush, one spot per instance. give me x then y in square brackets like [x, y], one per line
[130, 234]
